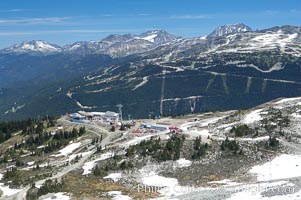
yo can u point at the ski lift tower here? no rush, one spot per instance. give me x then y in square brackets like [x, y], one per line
[120, 110]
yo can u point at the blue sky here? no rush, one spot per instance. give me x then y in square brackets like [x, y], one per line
[66, 21]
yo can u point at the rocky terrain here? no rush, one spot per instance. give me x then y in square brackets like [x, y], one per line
[252, 153]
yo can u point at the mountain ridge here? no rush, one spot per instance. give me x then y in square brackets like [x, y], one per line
[138, 43]
[230, 29]
[120, 45]
[233, 71]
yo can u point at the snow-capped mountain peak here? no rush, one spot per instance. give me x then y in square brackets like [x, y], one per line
[230, 29]
[33, 46]
[157, 36]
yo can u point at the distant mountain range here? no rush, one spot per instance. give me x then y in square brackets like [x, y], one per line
[117, 46]
[233, 67]
[113, 45]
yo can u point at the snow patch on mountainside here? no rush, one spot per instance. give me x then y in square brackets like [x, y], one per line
[68, 149]
[264, 41]
[182, 162]
[88, 166]
[6, 190]
[114, 176]
[149, 38]
[253, 116]
[271, 38]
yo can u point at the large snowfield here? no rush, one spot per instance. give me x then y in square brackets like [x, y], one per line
[283, 166]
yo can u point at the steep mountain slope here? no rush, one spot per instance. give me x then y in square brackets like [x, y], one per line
[237, 68]
[138, 86]
[17, 68]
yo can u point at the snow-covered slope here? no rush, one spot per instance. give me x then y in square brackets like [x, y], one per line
[278, 40]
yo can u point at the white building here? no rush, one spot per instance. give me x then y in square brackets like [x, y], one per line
[158, 127]
[111, 116]
[93, 116]
[100, 116]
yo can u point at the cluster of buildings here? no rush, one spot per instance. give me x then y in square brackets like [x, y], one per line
[82, 117]
[147, 127]
[114, 119]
